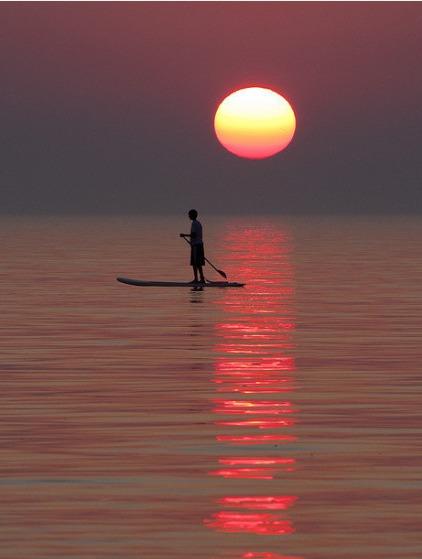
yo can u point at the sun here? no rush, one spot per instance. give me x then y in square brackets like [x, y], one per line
[255, 123]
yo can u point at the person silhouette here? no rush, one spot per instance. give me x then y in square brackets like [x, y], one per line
[197, 255]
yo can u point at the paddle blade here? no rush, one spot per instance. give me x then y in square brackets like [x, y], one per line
[222, 273]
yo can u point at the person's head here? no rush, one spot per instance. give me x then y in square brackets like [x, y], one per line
[193, 214]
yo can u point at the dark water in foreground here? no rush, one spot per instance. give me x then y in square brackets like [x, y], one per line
[281, 421]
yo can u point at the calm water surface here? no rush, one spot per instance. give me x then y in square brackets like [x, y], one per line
[280, 421]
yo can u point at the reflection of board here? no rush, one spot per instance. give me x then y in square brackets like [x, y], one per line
[179, 283]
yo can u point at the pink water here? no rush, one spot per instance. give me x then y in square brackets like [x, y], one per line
[279, 421]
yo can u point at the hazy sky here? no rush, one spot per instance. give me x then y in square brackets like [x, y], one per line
[108, 107]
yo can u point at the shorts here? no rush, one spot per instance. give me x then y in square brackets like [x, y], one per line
[197, 257]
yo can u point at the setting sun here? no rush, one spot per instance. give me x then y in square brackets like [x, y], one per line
[255, 123]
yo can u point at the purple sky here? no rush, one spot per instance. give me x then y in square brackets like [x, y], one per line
[108, 107]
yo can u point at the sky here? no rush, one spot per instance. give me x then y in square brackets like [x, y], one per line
[108, 107]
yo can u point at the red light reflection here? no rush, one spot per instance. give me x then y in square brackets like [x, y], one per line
[265, 327]
[263, 365]
[265, 555]
[259, 423]
[253, 467]
[257, 503]
[253, 387]
[255, 359]
[272, 407]
[255, 439]
[256, 461]
[258, 523]
[260, 375]
[245, 473]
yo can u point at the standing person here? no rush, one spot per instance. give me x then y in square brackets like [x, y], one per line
[197, 256]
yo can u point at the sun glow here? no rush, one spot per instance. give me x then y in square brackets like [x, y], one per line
[255, 123]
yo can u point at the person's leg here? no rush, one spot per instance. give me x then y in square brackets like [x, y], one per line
[193, 263]
[201, 274]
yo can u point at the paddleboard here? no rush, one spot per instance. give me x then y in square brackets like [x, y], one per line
[143, 283]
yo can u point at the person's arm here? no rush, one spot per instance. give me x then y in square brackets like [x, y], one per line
[192, 233]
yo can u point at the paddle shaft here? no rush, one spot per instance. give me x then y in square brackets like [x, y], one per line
[210, 263]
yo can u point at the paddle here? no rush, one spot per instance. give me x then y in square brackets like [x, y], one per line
[212, 265]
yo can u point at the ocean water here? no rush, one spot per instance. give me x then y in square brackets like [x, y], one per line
[278, 421]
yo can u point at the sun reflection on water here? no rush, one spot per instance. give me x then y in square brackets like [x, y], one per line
[252, 555]
[254, 523]
[254, 374]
